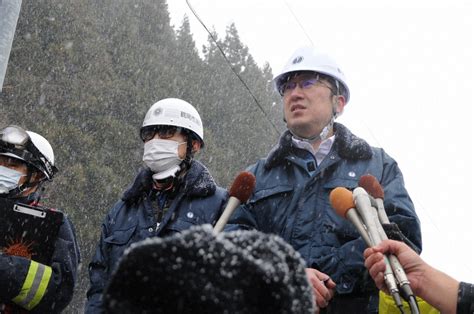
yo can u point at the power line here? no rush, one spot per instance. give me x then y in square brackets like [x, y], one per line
[233, 69]
[298, 21]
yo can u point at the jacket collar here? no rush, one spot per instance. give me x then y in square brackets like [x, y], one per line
[198, 181]
[346, 144]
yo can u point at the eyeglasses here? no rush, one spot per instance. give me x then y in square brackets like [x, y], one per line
[163, 131]
[303, 84]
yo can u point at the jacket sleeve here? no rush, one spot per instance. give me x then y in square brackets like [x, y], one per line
[98, 274]
[99, 265]
[398, 204]
[465, 302]
[42, 288]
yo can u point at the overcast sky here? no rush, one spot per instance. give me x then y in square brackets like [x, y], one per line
[410, 70]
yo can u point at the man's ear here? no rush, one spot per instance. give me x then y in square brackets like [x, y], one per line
[339, 102]
[196, 146]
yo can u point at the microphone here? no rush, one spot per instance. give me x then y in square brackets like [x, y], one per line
[373, 187]
[239, 192]
[376, 195]
[341, 200]
[368, 181]
[366, 211]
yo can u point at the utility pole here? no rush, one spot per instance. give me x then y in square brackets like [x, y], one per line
[9, 12]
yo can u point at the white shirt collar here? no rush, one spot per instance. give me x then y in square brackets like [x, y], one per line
[323, 150]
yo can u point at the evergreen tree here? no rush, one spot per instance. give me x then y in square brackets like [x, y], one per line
[84, 73]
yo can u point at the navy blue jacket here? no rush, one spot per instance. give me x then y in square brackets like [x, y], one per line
[132, 219]
[291, 199]
[60, 286]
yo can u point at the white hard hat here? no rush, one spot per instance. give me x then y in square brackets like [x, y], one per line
[308, 59]
[42, 145]
[47, 160]
[30, 147]
[176, 112]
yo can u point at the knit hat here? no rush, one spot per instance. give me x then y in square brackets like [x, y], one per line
[198, 271]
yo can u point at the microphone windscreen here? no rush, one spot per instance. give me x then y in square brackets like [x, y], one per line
[371, 185]
[243, 186]
[341, 200]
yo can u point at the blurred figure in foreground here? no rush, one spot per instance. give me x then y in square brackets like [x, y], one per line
[198, 271]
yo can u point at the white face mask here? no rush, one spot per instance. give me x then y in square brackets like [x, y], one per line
[162, 157]
[9, 179]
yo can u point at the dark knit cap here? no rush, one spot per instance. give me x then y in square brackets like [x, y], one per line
[200, 272]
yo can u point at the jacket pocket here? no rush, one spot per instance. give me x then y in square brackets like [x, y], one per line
[181, 224]
[270, 207]
[341, 182]
[120, 237]
[342, 227]
[263, 194]
[116, 243]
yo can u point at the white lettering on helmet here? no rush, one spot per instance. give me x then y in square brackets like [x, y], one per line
[190, 117]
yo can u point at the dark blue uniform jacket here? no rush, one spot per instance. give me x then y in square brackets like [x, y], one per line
[291, 199]
[132, 219]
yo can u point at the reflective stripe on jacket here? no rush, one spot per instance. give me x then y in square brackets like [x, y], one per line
[34, 286]
[40, 288]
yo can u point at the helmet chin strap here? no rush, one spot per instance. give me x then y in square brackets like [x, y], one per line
[33, 197]
[324, 133]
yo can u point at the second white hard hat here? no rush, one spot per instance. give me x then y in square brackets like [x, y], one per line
[176, 112]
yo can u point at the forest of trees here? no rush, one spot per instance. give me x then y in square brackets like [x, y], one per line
[84, 73]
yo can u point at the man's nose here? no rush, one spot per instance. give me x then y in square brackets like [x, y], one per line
[297, 91]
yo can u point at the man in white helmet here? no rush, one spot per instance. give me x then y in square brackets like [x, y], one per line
[26, 284]
[315, 155]
[170, 194]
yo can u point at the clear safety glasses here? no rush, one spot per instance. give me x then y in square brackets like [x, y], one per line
[304, 81]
